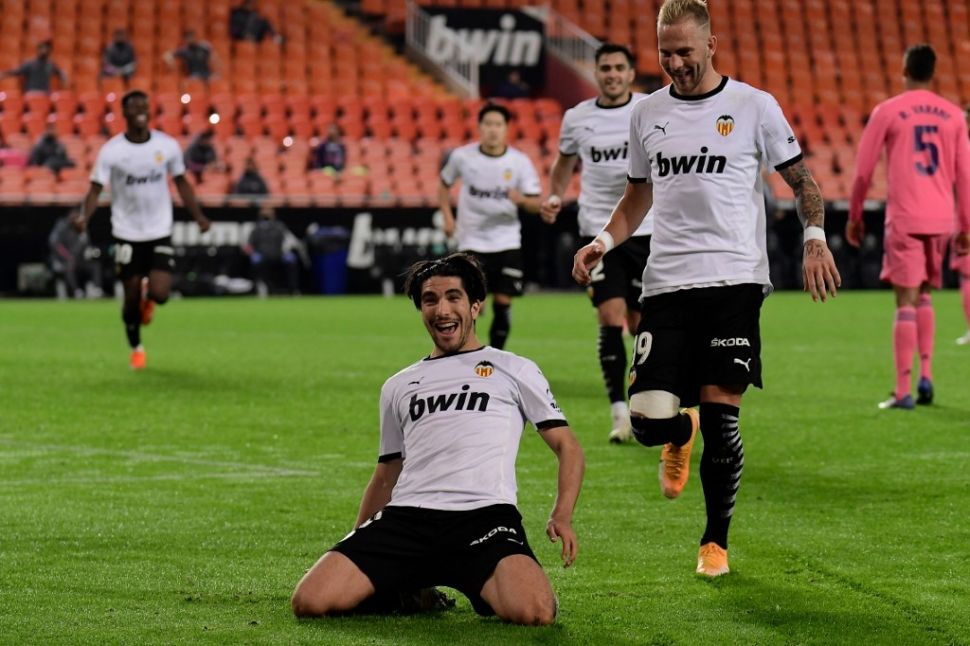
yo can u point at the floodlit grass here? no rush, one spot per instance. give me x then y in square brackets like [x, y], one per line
[182, 504]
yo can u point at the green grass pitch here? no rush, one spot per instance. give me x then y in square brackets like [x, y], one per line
[182, 504]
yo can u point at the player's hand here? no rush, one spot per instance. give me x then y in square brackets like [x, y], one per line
[448, 224]
[550, 208]
[204, 224]
[961, 243]
[79, 222]
[586, 258]
[819, 273]
[855, 230]
[562, 529]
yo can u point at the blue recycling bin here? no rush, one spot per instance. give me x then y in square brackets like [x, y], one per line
[329, 248]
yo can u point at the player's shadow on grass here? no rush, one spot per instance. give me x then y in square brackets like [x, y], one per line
[802, 604]
[447, 628]
[173, 379]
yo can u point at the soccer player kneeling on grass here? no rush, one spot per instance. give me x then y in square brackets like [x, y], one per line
[440, 507]
[137, 163]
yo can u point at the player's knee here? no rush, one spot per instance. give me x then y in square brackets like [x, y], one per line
[537, 610]
[303, 605]
[651, 412]
[306, 605]
[159, 297]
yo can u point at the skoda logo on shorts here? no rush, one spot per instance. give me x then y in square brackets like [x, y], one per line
[484, 369]
[725, 124]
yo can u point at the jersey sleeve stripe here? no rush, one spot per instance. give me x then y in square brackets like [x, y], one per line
[565, 154]
[791, 162]
[636, 180]
[388, 457]
[551, 423]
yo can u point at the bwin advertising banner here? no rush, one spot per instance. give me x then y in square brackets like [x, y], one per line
[501, 40]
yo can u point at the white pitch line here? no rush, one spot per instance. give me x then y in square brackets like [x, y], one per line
[157, 457]
[243, 476]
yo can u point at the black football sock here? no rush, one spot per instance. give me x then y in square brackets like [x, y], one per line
[498, 334]
[721, 466]
[613, 362]
[132, 321]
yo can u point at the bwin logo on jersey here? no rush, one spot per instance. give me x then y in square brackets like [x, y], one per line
[154, 176]
[464, 400]
[489, 194]
[683, 164]
[608, 154]
[724, 125]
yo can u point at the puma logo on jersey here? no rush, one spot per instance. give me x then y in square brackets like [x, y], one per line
[154, 176]
[730, 343]
[465, 400]
[697, 164]
[662, 128]
[490, 194]
[746, 364]
[597, 155]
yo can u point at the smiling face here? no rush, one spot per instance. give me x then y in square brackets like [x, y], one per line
[686, 49]
[449, 315]
[614, 75]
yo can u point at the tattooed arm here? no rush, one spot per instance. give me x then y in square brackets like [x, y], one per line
[818, 267]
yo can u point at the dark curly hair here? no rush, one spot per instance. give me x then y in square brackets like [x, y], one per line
[460, 264]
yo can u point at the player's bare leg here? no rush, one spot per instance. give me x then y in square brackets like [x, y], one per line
[519, 592]
[156, 289]
[334, 585]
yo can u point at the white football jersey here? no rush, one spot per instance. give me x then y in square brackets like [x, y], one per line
[141, 206]
[600, 136]
[704, 156]
[457, 421]
[487, 220]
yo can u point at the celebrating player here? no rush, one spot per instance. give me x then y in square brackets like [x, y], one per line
[696, 151]
[597, 132]
[440, 507]
[136, 163]
[497, 180]
[928, 157]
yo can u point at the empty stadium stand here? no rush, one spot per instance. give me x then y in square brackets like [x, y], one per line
[827, 61]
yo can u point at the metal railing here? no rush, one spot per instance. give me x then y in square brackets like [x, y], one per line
[568, 41]
[438, 49]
